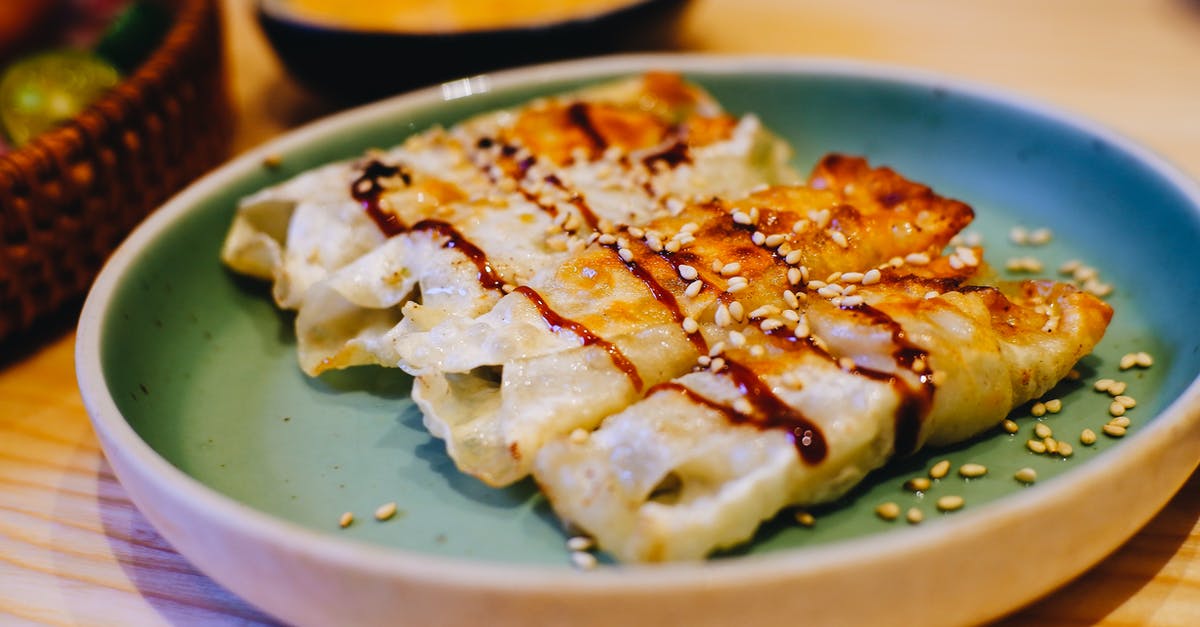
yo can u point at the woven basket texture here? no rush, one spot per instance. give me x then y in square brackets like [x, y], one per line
[68, 198]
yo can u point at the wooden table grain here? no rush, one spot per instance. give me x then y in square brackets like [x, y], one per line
[75, 551]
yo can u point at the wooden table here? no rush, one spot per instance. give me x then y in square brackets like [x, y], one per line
[75, 551]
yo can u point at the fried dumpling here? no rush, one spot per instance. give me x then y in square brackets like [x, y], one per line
[521, 188]
[629, 312]
[798, 417]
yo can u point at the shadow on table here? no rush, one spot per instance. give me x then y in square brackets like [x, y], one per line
[167, 582]
[1094, 595]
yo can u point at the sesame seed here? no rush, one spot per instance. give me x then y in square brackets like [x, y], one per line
[1010, 426]
[918, 484]
[1018, 235]
[871, 277]
[1096, 288]
[1120, 421]
[759, 238]
[950, 503]
[737, 339]
[955, 262]
[971, 471]
[625, 254]
[789, 297]
[1051, 444]
[673, 246]
[717, 364]
[1042, 430]
[346, 520]
[914, 516]
[385, 511]
[690, 325]
[722, 317]
[790, 315]
[815, 284]
[764, 311]
[773, 241]
[1069, 266]
[704, 361]
[852, 301]
[1084, 273]
[742, 406]
[731, 268]
[579, 436]
[940, 469]
[1038, 410]
[1117, 388]
[800, 225]
[737, 311]
[916, 259]
[1128, 361]
[1114, 431]
[1040, 236]
[1144, 359]
[738, 280]
[805, 519]
[794, 275]
[716, 349]
[1087, 437]
[846, 363]
[583, 560]
[1116, 409]
[888, 511]
[1026, 475]
[734, 288]
[741, 217]
[839, 238]
[690, 227]
[757, 350]
[1037, 446]
[1103, 385]
[636, 232]
[852, 277]
[967, 255]
[930, 295]
[1127, 402]
[579, 543]
[1065, 449]
[829, 291]
[793, 257]
[770, 324]
[693, 288]
[1054, 405]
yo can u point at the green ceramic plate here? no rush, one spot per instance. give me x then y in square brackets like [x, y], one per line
[246, 465]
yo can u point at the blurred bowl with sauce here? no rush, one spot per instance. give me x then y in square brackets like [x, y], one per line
[357, 50]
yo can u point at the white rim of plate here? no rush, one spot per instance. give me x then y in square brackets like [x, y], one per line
[1165, 429]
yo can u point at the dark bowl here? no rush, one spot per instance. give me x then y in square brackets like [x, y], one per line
[349, 64]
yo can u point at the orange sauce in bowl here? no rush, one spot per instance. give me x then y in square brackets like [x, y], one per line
[439, 16]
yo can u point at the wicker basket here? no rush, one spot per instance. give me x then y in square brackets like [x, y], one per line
[70, 196]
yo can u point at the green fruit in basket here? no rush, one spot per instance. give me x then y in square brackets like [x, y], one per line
[133, 35]
[39, 92]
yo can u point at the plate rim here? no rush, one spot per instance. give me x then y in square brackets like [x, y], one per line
[1178, 423]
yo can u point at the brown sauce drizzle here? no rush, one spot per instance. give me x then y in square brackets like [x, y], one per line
[487, 275]
[672, 155]
[914, 404]
[558, 322]
[663, 296]
[577, 113]
[769, 411]
[367, 190]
